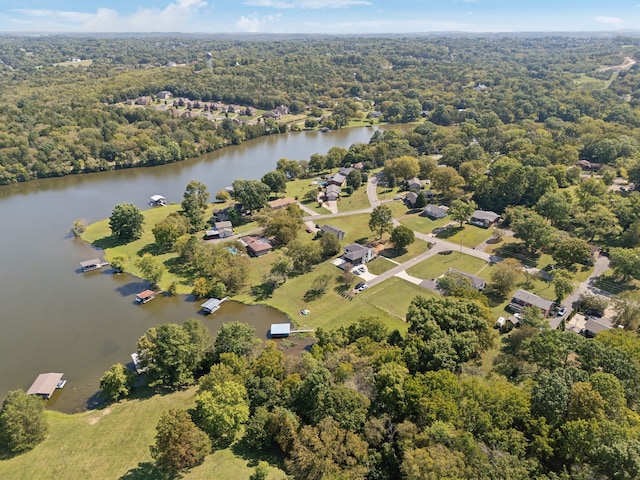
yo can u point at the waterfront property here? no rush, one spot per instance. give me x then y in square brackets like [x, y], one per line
[211, 305]
[137, 364]
[93, 264]
[145, 296]
[46, 384]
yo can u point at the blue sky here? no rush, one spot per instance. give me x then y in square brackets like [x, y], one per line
[318, 16]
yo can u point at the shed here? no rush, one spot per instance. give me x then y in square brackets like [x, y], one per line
[280, 330]
[46, 383]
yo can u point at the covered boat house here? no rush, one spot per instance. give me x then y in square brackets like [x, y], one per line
[46, 384]
[145, 296]
[93, 264]
[157, 201]
[211, 305]
[280, 330]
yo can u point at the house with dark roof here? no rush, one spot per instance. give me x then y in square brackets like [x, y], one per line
[522, 299]
[410, 199]
[336, 179]
[358, 254]
[588, 166]
[164, 95]
[477, 282]
[257, 246]
[223, 229]
[332, 193]
[414, 184]
[340, 234]
[434, 212]
[593, 326]
[484, 218]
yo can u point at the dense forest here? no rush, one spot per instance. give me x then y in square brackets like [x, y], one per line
[62, 109]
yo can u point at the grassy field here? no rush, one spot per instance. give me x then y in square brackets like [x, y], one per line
[358, 200]
[467, 235]
[113, 443]
[379, 265]
[439, 264]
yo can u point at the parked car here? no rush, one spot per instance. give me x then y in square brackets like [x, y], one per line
[363, 288]
[562, 311]
[359, 285]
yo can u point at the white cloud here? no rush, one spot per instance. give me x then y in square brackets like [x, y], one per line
[306, 4]
[254, 23]
[176, 16]
[609, 20]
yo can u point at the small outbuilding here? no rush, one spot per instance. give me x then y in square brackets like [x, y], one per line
[211, 305]
[46, 384]
[157, 201]
[93, 264]
[145, 296]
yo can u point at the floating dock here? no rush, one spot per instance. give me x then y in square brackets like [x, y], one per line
[282, 330]
[46, 384]
[146, 296]
[211, 305]
[93, 264]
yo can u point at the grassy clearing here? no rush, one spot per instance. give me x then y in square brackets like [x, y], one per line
[330, 310]
[358, 200]
[467, 235]
[439, 264]
[356, 227]
[379, 265]
[113, 443]
[416, 248]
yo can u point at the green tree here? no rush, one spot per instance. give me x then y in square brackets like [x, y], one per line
[234, 337]
[402, 237]
[625, 263]
[504, 276]
[167, 231]
[283, 225]
[533, 229]
[222, 410]
[449, 182]
[23, 424]
[151, 268]
[79, 227]
[252, 194]
[194, 204]
[562, 284]
[179, 444]
[569, 250]
[404, 167]
[381, 220]
[454, 283]
[598, 221]
[276, 180]
[461, 211]
[329, 244]
[556, 206]
[126, 222]
[222, 196]
[116, 383]
[172, 353]
[354, 179]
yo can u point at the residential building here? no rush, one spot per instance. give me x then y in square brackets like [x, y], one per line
[484, 218]
[340, 234]
[434, 212]
[522, 299]
[358, 254]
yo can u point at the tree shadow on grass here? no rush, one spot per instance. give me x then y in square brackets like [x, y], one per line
[263, 291]
[109, 242]
[152, 248]
[392, 252]
[241, 450]
[148, 471]
[449, 232]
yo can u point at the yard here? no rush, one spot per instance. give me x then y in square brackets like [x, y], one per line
[467, 235]
[437, 265]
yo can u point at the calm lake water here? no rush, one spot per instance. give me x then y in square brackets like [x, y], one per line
[54, 319]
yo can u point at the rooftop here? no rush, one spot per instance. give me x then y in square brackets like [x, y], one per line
[532, 299]
[45, 384]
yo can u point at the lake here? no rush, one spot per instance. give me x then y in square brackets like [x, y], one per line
[55, 319]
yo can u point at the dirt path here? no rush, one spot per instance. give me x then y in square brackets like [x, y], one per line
[626, 65]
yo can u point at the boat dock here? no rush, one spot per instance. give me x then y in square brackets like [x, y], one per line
[93, 264]
[145, 296]
[46, 384]
[137, 364]
[283, 330]
[211, 305]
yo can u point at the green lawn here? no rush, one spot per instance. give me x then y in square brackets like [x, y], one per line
[437, 265]
[469, 235]
[358, 200]
[355, 226]
[113, 443]
[416, 248]
[332, 310]
[379, 265]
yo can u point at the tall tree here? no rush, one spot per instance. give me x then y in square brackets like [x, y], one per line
[252, 194]
[116, 383]
[151, 268]
[381, 220]
[22, 421]
[504, 276]
[276, 180]
[222, 410]
[179, 443]
[126, 222]
[461, 211]
[401, 237]
[194, 204]
[534, 230]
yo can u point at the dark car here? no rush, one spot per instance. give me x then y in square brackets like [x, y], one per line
[358, 286]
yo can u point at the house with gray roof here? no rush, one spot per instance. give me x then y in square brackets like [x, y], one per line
[337, 179]
[522, 299]
[477, 282]
[434, 212]
[358, 254]
[484, 218]
[410, 199]
[340, 234]
[332, 193]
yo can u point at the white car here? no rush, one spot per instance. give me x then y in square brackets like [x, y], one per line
[562, 311]
[363, 288]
